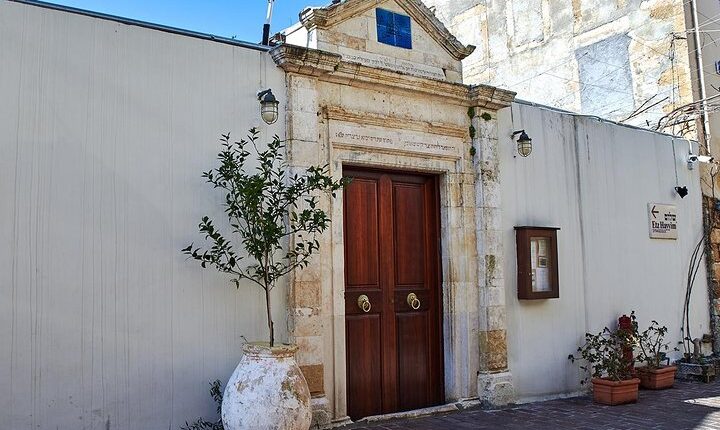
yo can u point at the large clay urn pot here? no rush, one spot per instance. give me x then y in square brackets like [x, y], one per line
[267, 391]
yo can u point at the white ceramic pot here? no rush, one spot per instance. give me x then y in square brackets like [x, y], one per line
[267, 390]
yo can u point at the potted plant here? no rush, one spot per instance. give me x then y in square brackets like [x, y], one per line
[653, 352]
[275, 217]
[610, 366]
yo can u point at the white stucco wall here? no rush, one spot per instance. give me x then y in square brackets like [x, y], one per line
[105, 129]
[594, 181]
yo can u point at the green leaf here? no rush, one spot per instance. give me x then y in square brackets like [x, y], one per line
[261, 201]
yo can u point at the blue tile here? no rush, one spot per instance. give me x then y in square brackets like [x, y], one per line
[403, 40]
[393, 29]
[385, 35]
[384, 17]
[402, 23]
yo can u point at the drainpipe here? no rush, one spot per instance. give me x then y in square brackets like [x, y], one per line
[701, 75]
[266, 27]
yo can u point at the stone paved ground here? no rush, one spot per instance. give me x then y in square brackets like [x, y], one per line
[689, 405]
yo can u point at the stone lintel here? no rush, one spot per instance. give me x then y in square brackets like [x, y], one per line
[369, 118]
[331, 67]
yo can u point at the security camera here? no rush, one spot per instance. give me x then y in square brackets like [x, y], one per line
[700, 158]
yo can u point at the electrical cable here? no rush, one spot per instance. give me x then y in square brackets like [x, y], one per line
[624, 66]
[694, 267]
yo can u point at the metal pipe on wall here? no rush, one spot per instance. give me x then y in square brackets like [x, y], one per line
[701, 75]
[268, 19]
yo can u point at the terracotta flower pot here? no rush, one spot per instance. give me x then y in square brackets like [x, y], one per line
[267, 391]
[657, 379]
[613, 393]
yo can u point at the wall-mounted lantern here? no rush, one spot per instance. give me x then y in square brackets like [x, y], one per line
[524, 143]
[268, 106]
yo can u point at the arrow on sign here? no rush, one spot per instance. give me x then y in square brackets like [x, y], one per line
[653, 212]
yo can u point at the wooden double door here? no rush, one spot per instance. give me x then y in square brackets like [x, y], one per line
[393, 321]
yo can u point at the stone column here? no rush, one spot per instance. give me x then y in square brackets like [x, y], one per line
[305, 302]
[310, 306]
[495, 385]
[460, 293]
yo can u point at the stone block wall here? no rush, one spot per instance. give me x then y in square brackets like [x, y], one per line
[599, 57]
[712, 224]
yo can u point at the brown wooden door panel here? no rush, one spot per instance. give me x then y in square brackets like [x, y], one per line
[408, 233]
[413, 360]
[391, 250]
[362, 238]
[364, 376]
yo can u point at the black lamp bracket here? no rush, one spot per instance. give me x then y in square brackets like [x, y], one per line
[517, 132]
[261, 94]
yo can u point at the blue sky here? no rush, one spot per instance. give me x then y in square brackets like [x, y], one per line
[241, 18]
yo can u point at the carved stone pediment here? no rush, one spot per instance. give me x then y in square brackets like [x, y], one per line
[329, 16]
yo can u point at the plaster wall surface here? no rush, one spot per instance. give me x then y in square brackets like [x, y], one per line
[542, 50]
[106, 129]
[594, 180]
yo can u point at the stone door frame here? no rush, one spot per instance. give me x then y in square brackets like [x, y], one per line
[458, 257]
[475, 351]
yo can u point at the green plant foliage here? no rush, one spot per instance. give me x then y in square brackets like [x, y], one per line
[274, 215]
[473, 151]
[472, 131]
[651, 345]
[471, 112]
[486, 116]
[201, 423]
[605, 355]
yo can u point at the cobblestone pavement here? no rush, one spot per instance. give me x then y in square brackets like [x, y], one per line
[689, 405]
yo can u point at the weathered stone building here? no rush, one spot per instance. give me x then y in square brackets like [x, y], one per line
[413, 299]
[609, 58]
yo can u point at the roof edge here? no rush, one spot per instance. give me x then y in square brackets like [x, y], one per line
[144, 24]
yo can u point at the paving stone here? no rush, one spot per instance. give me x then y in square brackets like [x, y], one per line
[688, 405]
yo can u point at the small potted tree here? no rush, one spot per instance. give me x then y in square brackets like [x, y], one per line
[275, 217]
[652, 350]
[610, 366]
